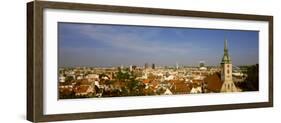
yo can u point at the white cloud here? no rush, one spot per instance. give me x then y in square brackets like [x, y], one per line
[134, 41]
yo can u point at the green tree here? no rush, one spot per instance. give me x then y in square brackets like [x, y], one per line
[69, 78]
[122, 76]
[132, 86]
[251, 83]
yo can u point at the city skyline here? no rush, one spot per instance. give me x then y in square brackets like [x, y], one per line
[114, 45]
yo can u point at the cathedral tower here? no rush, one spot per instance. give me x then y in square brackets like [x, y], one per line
[226, 72]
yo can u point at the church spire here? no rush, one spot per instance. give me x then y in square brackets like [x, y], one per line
[226, 58]
[226, 72]
[225, 45]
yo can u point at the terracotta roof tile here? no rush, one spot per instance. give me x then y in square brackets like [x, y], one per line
[213, 82]
[81, 89]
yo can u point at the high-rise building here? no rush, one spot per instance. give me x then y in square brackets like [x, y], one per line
[145, 65]
[134, 67]
[153, 66]
[131, 68]
[226, 72]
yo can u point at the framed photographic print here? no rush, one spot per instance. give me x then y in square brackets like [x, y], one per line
[97, 61]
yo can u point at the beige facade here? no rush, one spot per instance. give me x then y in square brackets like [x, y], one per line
[226, 77]
[226, 72]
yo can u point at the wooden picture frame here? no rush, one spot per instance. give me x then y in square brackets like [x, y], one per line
[35, 62]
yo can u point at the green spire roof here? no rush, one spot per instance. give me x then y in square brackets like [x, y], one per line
[226, 58]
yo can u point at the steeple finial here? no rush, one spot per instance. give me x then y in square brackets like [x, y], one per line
[226, 57]
[225, 45]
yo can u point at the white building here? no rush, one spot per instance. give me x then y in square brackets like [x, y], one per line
[196, 90]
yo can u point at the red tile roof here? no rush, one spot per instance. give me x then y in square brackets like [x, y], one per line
[83, 82]
[81, 89]
[146, 81]
[213, 82]
[179, 87]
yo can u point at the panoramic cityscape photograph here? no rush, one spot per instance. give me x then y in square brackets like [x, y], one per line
[105, 60]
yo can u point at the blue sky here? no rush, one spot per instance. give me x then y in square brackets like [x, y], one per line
[115, 45]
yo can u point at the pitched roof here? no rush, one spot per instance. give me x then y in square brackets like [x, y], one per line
[83, 82]
[81, 89]
[180, 87]
[213, 82]
[146, 81]
[65, 91]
